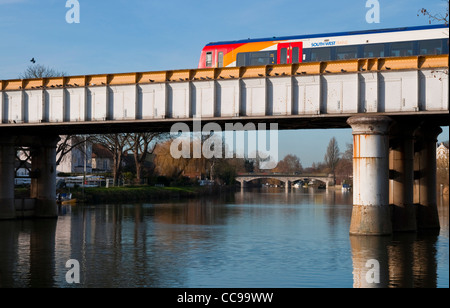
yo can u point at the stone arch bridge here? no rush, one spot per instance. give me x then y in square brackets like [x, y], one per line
[285, 178]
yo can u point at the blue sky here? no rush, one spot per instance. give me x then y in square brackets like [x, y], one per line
[143, 35]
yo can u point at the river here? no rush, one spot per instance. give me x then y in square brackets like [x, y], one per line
[266, 238]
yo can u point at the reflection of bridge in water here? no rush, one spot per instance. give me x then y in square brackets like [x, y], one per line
[286, 178]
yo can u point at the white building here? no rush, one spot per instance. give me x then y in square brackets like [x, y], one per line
[74, 160]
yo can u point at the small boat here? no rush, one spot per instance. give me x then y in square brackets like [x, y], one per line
[65, 199]
[346, 187]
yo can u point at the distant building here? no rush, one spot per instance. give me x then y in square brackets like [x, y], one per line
[102, 159]
[74, 160]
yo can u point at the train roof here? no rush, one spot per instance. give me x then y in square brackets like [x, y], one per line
[308, 36]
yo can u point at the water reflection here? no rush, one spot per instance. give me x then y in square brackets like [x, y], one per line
[267, 238]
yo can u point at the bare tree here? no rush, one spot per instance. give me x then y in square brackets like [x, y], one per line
[118, 145]
[40, 71]
[68, 143]
[435, 17]
[332, 155]
[142, 145]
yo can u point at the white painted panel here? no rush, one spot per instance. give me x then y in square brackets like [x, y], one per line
[98, 103]
[228, 97]
[33, 106]
[410, 91]
[153, 100]
[332, 94]
[13, 101]
[203, 99]
[369, 92]
[280, 97]
[55, 105]
[179, 98]
[435, 94]
[308, 94]
[123, 100]
[75, 103]
[350, 93]
[253, 93]
[392, 95]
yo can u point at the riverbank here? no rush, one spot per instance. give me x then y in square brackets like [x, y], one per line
[143, 193]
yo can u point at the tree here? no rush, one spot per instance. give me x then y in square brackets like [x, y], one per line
[118, 145]
[142, 145]
[344, 168]
[68, 143]
[435, 17]
[40, 71]
[289, 164]
[332, 155]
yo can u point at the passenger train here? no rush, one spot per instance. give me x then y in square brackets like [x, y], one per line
[397, 42]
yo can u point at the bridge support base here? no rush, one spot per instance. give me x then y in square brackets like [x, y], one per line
[7, 173]
[371, 212]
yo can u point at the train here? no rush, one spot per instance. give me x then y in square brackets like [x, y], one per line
[383, 43]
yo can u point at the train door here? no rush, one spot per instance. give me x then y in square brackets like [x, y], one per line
[289, 53]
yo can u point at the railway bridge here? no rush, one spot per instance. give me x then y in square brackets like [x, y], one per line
[395, 107]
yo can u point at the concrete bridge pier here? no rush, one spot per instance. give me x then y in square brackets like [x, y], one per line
[425, 195]
[7, 174]
[371, 213]
[401, 167]
[43, 182]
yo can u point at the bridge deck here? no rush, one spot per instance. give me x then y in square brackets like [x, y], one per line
[307, 95]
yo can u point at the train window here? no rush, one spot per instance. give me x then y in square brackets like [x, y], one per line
[283, 56]
[374, 51]
[321, 54]
[295, 55]
[220, 60]
[402, 49]
[347, 52]
[208, 62]
[430, 47]
[240, 60]
[262, 58]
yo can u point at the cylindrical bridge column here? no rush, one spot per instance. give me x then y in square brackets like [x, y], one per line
[425, 195]
[401, 165]
[371, 213]
[7, 175]
[43, 184]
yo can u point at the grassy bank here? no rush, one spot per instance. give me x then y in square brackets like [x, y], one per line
[141, 193]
